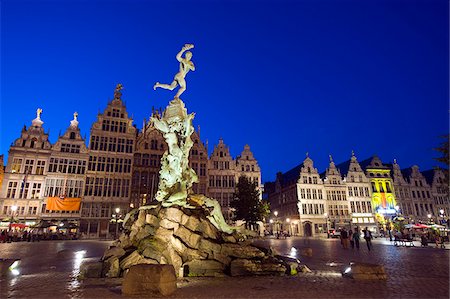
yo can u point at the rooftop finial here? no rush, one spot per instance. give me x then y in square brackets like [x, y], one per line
[117, 93]
[331, 159]
[353, 153]
[74, 122]
[307, 155]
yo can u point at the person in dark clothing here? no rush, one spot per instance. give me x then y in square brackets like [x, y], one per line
[344, 236]
[350, 237]
[368, 238]
[355, 237]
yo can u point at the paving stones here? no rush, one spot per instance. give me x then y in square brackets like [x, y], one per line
[141, 280]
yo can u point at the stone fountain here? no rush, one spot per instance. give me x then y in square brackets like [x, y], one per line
[183, 229]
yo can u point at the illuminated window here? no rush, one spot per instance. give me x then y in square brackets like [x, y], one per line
[16, 165]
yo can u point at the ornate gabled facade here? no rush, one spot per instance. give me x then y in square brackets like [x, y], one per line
[403, 193]
[420, 193]
[222, 177]
[436, 179]
[358, 194]
[312, 204]
[21, 195]
[66, 174]
[382, 187]
[336, 194]
[119, 169]
[109, 173]
[247, 165]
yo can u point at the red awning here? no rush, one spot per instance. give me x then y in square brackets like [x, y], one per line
[420, 225]
[18, 225]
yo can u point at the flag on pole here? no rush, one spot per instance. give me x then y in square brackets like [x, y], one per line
[24, 181]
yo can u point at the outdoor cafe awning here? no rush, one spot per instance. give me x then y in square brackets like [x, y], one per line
[418, 226]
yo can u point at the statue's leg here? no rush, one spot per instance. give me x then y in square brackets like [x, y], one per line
[166, 86]
[182, 88]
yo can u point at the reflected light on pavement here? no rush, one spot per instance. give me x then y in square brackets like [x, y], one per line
[293, 252]
[74, 283]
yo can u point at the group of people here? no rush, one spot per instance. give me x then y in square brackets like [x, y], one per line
[425, 237]
[16, 235]
[353, 238]
[33, 235]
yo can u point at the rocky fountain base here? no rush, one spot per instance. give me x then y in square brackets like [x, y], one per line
[188, 240]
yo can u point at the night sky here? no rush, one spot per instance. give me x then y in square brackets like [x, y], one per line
[285, 77]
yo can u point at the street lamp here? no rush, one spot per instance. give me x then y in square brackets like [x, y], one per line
[276, 222]
[295, 231]
[326, 219]
[117, 227]
[441, 213]
[13, 212]
[288, 225]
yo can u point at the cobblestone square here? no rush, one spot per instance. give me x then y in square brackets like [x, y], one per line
[49, 270]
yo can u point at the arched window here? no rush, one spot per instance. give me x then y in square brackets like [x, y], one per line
[72, 135]
[380, 185]
[388, 187]
[374, 188]
[309, 180]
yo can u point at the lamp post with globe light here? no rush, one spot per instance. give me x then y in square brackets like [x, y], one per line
[288, 221]
[326, 219]
[276, 222]
[116, 219]
[13, 213]
[442, 215]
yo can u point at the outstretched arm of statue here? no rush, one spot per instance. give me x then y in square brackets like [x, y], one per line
[184, 49]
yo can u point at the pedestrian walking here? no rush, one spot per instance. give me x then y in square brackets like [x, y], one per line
[344, 236]
[350, 237]
[368, 238]
[356, 236]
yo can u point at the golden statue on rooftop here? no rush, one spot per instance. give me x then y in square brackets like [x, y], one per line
[38, 113]
[117, 93]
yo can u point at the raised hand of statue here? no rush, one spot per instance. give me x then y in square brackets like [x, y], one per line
[188, 46]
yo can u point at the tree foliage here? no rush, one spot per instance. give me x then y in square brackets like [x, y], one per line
[246, 202]
[443, 149]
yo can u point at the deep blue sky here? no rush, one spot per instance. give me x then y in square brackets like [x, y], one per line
[286, 77]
